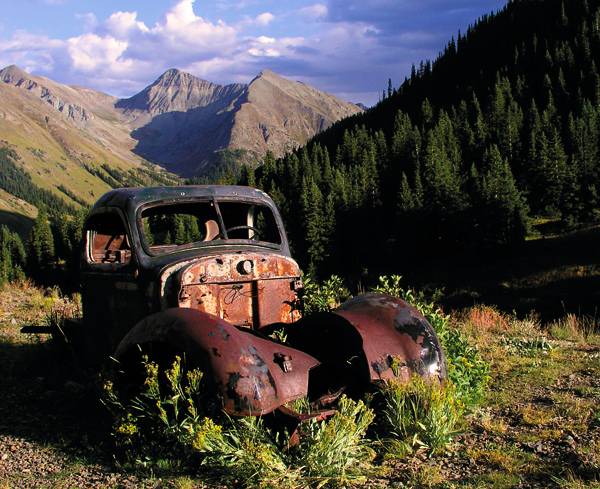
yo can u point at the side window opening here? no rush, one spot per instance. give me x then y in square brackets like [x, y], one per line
[107, 240]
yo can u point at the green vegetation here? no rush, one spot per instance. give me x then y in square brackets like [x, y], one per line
[419, 416]
[231, 166]
[72, 195]
[134, 177]
[12, 257]
[166, 425]
[536, 419]
[448, 176]
[18, 183]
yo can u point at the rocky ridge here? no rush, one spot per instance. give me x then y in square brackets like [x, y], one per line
[179, 122]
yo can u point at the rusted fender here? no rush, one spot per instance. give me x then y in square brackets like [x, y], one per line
[397, 340]
[254, 376]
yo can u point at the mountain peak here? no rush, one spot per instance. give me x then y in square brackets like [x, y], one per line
[176, 90]
[270, 77]
[175, 77]
[267, 74]
[12, 73]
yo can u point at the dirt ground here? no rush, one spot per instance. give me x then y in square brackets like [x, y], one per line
[54, 431]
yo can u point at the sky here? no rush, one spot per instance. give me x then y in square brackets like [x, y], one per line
[350, 48]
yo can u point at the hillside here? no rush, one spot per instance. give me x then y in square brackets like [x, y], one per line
[462, 159]
[65, 142]
[551, 277]
[75, 143]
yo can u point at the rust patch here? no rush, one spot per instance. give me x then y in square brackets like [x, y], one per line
[393, 329]
[245, 289]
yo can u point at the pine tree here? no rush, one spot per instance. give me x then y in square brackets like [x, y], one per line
[12, 256]
[318, 218]
[584, 133]
[247, 176]
[441, 178]
[503, 213]
[405, 196]
[40, 246]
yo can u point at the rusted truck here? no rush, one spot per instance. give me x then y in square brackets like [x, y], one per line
[205, 273]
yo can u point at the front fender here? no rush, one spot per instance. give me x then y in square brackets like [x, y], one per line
[371, 337]
[397, 340]
[254, 376]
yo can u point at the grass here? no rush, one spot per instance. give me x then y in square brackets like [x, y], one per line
[537, 420]
[552, 275]
[166, 424]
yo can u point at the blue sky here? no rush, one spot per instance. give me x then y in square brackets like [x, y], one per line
[349, 48]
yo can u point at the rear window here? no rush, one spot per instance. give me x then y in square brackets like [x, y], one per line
[107, 240]
[172, 227]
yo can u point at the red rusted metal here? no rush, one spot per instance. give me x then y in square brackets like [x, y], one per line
[292, 421]
[398, 342]
[247, 370]
[246, 289]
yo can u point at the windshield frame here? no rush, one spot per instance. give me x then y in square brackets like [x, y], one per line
[215, 201]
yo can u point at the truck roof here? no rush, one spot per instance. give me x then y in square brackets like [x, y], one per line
[132, 198]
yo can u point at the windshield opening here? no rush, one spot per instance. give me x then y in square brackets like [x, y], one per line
[168, 227]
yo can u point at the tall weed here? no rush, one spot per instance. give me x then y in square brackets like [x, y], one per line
[573, 328]
[420, 415]
[165, 426]
[323, 297]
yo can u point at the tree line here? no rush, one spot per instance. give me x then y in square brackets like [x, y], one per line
[459, 159]
[463, 155]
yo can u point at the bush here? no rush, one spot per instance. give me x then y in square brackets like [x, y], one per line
[419, 415]
[164, 426]
[324, 297]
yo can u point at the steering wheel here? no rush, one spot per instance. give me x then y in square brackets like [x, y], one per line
[235, 228]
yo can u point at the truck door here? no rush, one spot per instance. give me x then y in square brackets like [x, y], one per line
[111, 291]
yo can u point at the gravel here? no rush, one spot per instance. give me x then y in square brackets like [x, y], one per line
[53, 433]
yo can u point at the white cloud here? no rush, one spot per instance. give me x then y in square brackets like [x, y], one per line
[265, 19]
[313, 13]
[269, 53]
[91, 52]
[123, 26]
[124, 46]
[181, 25]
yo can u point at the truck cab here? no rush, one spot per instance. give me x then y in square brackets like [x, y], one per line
[217, 249]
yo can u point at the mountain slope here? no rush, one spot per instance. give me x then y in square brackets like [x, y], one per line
[61, 146]
[76, 143]
[183, 123]
[278, 115]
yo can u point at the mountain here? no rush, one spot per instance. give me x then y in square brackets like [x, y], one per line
[75, 143]
[183, 123]
[56, 145]
[490, 145]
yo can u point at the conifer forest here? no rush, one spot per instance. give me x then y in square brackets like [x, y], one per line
[460, 158]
